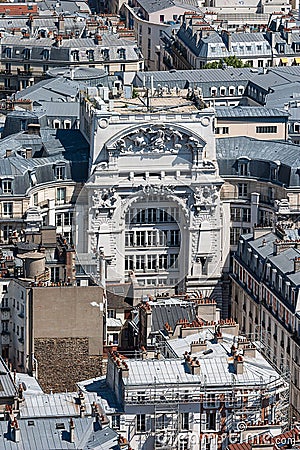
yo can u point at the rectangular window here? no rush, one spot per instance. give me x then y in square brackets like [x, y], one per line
[141, 422]
[235, 214]
[54, 274]
[234, 235]
[111, 313]
[161, 18]
[163, 262]
[60, 172]
[7, 231]
[173, 261]
[266, 130]
[140, 238]
[151, 262]
[59, 220]
[6, 186]
[211, 421]
[129, 238]
[61, 195]
[242, 190]
[185, 421]
[140, 262]
[68, 217]
[152, 238]
[35, 199]
[26, 53]
[174, 237]
[243, 169]
[115, 421]
[8, 209]
[128, 262]
[246, 214]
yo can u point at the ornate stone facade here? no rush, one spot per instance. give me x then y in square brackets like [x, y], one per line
[152, 202]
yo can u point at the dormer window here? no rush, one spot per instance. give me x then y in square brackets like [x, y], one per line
[26, 53]
[6, 186]
[274, 170]
[280, 48]
[33, 178]
[8, 52]
[243, 168]
[105, 53]
[122, 53]
[90, 55]
[46, 53]
[297, 47]
[60, 172]
[75, 54]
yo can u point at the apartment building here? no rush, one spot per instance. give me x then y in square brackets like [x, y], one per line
[53, 331]
[26, 59]
[265, 284]
[41, 169]
[162, 402]
[253, 122]
[198, 43]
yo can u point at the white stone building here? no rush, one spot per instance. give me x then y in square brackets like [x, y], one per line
[152, 202]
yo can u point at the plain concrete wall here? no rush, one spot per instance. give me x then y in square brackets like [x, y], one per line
[69, 311]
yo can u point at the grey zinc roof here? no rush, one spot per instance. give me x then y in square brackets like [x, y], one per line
[215, 371]
[53, 89]
[249, 111]
[60, 145]
[171, 312]
[79, 73]
[67, 7]
[7, 387]
[43, 434]
[185, 78]
[262, 152]
[63, 52]
[212, 45]
[151, 6]
[284, 261]
[54, 405]
[165, 372]
[58, 109]
[105, 439]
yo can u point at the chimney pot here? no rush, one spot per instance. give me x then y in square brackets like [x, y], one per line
[71, 430]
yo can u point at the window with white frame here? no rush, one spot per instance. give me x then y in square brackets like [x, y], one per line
[242, 189]
[61, 195]
[60, 172]
[6, 186]
[7, 209]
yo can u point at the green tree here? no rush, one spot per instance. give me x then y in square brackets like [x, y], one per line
[232, 61]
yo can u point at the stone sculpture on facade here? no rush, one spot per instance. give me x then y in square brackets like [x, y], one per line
[156, 139]
[105, 198]
[205, 196]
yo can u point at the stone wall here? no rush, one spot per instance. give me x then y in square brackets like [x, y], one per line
[64, 361]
